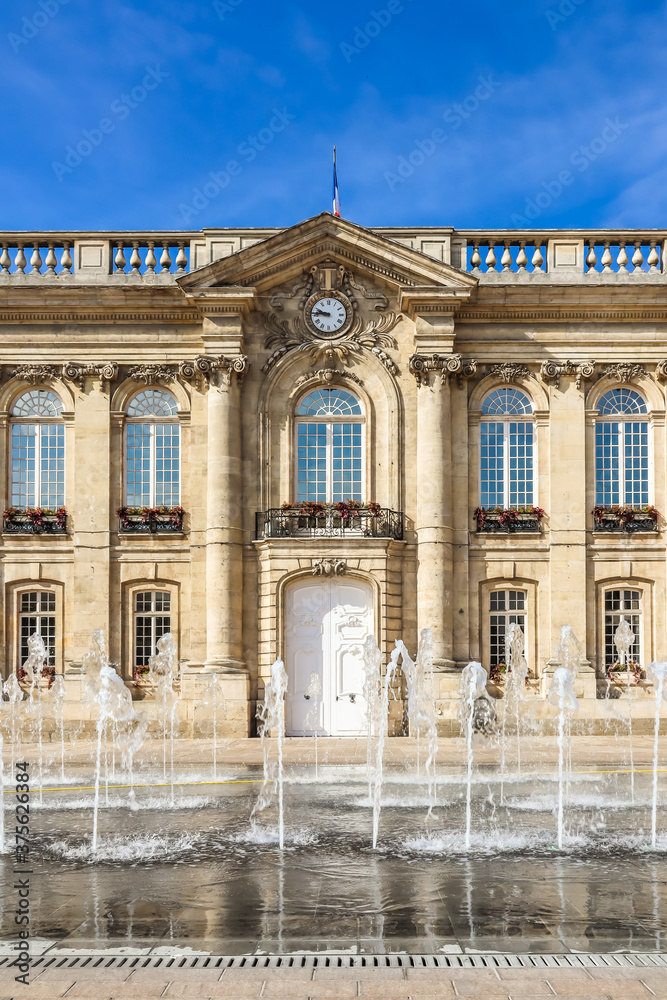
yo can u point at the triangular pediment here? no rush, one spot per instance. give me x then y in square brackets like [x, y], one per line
[291, 252]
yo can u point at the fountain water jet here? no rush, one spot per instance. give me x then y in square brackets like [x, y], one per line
[515, 684]
[421, 703]
[162, 673]
[58, 696]
[472, 687]
[562, 696]
[314, 693]
[380, 737]
[656, 672]
[272, 719]
[372, 696]
[33, 667]
[12, 691]
[213, 696]
[624, 639]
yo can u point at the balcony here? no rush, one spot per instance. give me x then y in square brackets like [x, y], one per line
[150, 520]
[34, 521]
[626, 519]
[497, 520]
[368, 522]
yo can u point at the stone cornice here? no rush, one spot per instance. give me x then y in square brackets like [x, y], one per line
[233, 300]
[429, 300]
[107, 304]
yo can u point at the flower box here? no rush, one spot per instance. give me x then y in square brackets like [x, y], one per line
[150, 520]
[508, 520]
[629, 519]
[34, 521]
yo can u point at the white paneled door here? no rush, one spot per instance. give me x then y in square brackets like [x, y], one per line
[327, 622]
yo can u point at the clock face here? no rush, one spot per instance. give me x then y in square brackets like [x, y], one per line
[328, 315]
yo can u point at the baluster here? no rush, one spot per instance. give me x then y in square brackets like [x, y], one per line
[150, 259]
[165, 259]
[5, 259]
[521, 259]
[119, 259]
[592, 257]
[475, 260]
[36, 259]
[653, 257]
[491, 259]
[135, 259]
[622, 259]
[181, 259]
[506, 259]
[638, 256]
[607, 258]
[20, 260]
[66, 259]
[51, 261]
[538, 259]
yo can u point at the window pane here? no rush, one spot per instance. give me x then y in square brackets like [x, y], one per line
[607, 459]
[312, 462]
[520, 464]
[52, 465]
[24, 449]
[492, 453]
[138, 465]
[167, 465]
[636, 463]
[611, 623]
[347, 458]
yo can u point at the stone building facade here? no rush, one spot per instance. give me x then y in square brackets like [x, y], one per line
[492, 403]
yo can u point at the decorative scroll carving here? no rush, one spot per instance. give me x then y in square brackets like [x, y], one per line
[661, 371]
[287, 328]
[447, 364]
[36, 373]
[77, 372]
[624, 371]
[552, 371]
[204, 366]
[152, 374]
[509, 371]
[328, 375]
[329, 567]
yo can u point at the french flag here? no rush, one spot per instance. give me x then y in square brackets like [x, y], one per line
[336, 199]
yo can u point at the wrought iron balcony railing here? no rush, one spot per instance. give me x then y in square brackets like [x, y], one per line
[625, 519]
[508, 521]
[34, 523]
[149, 521]
[279, 523]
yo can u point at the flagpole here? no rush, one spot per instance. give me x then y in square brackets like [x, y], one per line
[336, 199]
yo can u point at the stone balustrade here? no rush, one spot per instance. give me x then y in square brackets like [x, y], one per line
[497, 257]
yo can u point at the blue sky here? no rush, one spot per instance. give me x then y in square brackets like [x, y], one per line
[158, 96]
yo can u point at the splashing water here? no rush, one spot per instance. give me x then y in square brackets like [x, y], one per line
[421, 703]
[373, 698]
[12, 691]
[58, 695]
[380, 738]
[562, 696]
[656, 672]
[272, 719]
[33, 667]
[624, 639]
[214, 697]
[312, 721]
[569, 655]
[472, 687]
[515, 683]
[162, 673]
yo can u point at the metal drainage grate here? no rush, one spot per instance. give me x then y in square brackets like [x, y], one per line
[327, 961]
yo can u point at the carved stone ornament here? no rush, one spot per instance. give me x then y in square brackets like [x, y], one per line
[624, 371]
[152, 374]
[328, 375]
[367, 327]
[78, 372]
[204, 366]
[36, 373]
[509, 371]
[329, 567]
[553, 371]
[661, 371]
[447, 364]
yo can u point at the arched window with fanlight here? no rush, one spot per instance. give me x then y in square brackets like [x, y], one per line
[507, 450]
[152, 455]
[622, 449]
[38, 450]
[329, 446]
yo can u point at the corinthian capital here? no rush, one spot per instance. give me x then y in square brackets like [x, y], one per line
[78, 372]
[205, 366]
[448, 365]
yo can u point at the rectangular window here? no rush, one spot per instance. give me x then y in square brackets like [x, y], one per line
[37, 615]
[506, 607]
[621, 479]
[329, 461]
[152, 620]
[38, 465]
[620, 604]
[507, 457]
[153, 465]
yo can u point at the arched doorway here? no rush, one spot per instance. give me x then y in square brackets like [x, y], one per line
[326, 624]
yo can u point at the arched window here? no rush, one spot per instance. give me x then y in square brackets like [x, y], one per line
[507, 450]
[152, 473]
[621, 449]
[329, 446]
[38, 450]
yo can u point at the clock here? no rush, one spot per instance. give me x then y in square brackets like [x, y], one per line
[328, 315]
